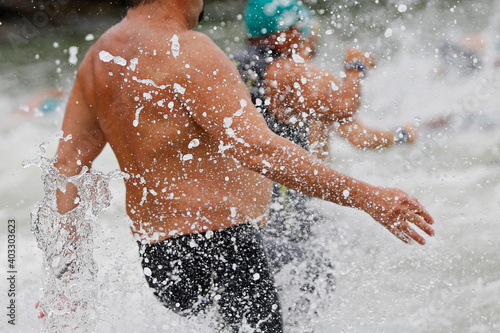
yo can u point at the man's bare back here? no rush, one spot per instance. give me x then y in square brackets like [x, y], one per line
[141, 90]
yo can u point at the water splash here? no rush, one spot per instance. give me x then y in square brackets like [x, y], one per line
[69, 293]
[175, 46]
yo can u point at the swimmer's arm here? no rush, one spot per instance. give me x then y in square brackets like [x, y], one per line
[82, 142]
[365, 137]
[220, 104]
[346, 95]
[315, 91]
[297, 89]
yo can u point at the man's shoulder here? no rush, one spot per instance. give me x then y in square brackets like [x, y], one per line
[198, 48]
[197, 40]
[104, 42]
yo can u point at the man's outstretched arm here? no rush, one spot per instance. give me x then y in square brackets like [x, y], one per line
[221, 105]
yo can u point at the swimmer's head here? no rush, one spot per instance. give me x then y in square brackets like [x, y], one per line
[266, 17]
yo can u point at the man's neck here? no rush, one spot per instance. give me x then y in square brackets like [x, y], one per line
[177, 12]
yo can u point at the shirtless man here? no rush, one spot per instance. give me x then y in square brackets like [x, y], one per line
[201, 159]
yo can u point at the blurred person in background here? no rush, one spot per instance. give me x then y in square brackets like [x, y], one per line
[44, 104]
[303, 103]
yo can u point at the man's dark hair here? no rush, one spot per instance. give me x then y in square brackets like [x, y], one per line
[135, 3]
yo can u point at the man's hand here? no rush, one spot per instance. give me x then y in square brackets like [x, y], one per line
[395, 210]
[356, 55]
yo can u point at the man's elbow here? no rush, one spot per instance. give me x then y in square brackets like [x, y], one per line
[350, 107]
[253, 155]
[342, 111]
[249, 159]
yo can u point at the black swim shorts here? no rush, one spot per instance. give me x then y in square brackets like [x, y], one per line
[227, 267]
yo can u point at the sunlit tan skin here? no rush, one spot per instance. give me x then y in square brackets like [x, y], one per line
[226, 181]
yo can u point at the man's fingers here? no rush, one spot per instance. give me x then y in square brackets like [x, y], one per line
[423, 225]
[418, 209]
[423, 214]
[410, 232]
[406, 210]
[415, 214]
[402, 230]
[426, 216]
[419, 221]
[396, 230]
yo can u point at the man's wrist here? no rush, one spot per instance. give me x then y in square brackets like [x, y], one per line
[354, 65]
[400, 135]
[357, 194]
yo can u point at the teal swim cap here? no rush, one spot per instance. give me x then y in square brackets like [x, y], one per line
[49, 105]
[265, 17]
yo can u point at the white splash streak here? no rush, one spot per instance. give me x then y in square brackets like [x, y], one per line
[194, 143]
[108, 57]
[228, 121]
[179, 89]
[144, 196]
[187, 157]
[148, 82]
[133, 63]
[175, 46]
[243, 103]
[298, 59]
[136, 120]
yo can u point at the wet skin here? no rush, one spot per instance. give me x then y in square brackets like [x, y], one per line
[198, 154]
